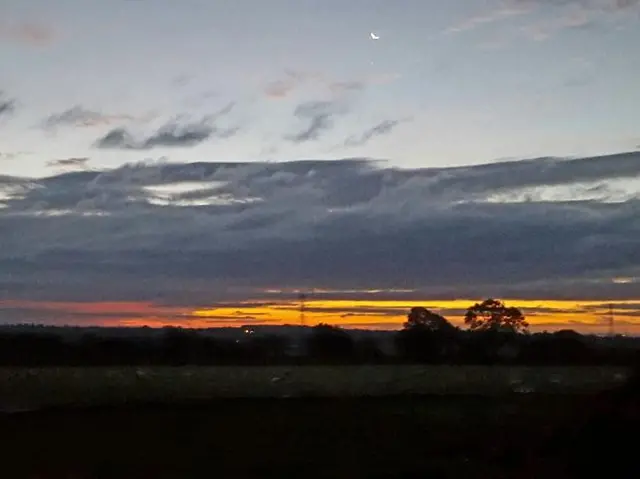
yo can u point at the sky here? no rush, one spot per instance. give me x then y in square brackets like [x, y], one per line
[203, 162]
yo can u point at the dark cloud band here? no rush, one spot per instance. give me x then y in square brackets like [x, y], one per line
[190, 232]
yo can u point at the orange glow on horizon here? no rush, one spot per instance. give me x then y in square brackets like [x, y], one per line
[557, 314]
[367, 313]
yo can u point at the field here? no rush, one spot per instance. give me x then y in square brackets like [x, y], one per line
[517, 436]
[309, 422]
[34, 388]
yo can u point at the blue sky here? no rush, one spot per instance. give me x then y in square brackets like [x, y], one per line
[510, 131]
[456, 83]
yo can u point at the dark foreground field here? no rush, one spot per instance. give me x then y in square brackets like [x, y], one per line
[32, 388]
[456, 436]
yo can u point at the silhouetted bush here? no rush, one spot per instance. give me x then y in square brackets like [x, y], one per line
[563, 347]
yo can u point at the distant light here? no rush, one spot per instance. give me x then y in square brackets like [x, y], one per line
[623, 280]
[524, 390]
[555, 379]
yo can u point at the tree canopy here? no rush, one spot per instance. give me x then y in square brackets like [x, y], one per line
[494, 315]
[420, 317]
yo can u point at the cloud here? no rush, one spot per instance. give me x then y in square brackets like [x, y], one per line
[282, 88]
[13, 155]
[27, 33]
[294, 80]
[600, 5]
[7, 106]
[383, 128]
[346, 86]
[206, 232]
[170, 135]
[73, 163]
[505, 10]
[319, 116]
[576, 18]
[567, 14]
[79, 116]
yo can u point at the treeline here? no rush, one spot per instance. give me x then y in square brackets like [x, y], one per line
[496, 334]
[323, 344]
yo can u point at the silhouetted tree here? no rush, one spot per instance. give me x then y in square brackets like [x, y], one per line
[330, 342]
[420, 317]
[426, 337]
[494, 315]
[559, 348]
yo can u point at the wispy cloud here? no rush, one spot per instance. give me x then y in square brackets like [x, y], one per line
[566, 14]
[595, 5]
[69, 163]
[173, 134]
[572, 19]
[12, 155]
[7, 105]
[383, 128]
[27, 33]
[505, 11]
[279, 89]
[319, 117]
[339, 87]
[294, 80]
[79, 116]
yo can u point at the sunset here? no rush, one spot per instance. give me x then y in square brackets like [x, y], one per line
[393, 171]
[590, 317]
[285, 238]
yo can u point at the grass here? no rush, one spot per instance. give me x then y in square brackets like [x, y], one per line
[33, 388]
[437, 436]
[351, 422]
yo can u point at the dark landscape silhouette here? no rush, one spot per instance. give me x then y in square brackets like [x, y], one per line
[496, 335]
[520, 432]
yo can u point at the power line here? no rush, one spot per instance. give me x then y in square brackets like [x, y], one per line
[611, 320]
[302, 299]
